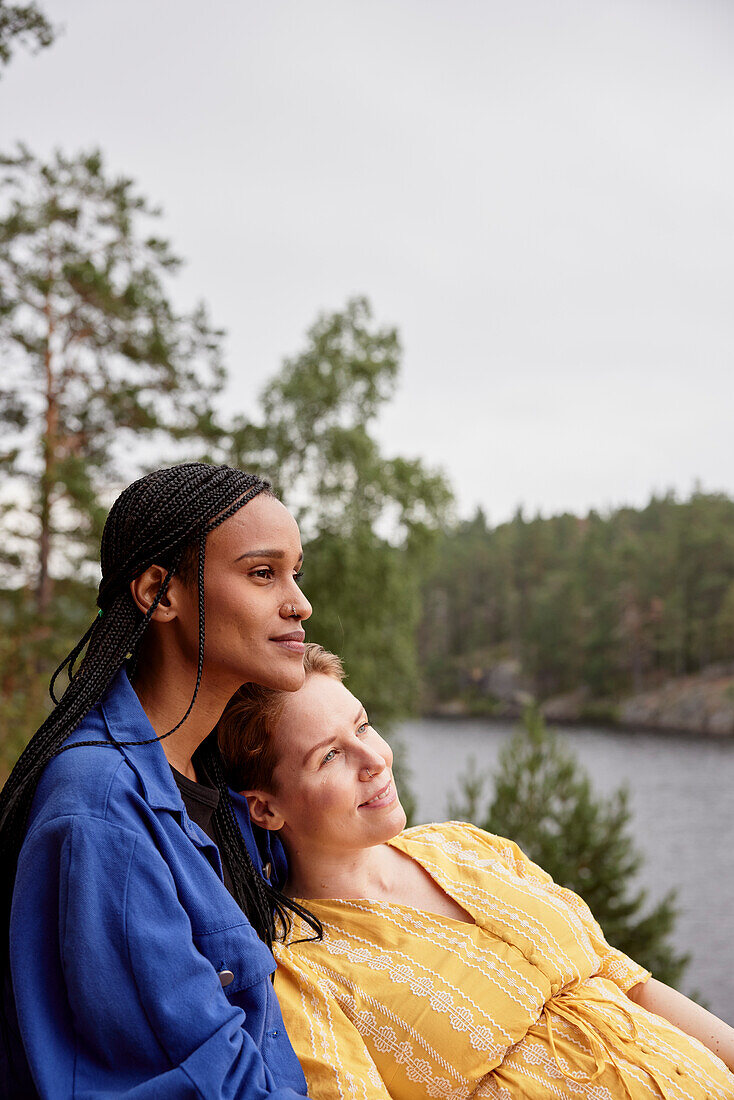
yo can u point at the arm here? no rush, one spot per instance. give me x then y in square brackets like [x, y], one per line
[114, 999]
[679, 1010]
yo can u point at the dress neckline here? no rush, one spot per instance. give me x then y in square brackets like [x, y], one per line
[375, 903]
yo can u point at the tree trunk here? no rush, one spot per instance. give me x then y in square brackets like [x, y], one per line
[44, 590]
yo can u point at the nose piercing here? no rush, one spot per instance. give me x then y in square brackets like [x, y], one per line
[294, 613]
[371, 775]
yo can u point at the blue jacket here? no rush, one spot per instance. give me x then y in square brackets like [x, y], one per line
[120, 928]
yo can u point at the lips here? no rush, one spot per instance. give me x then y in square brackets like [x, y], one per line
[292, 641]
[384, 797]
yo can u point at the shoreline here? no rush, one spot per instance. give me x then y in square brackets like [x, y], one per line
[699, 706]
[588, 723]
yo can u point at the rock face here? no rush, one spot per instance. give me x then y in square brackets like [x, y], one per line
[699, 704]
[505, 681]
[497, 689]
[570, 707]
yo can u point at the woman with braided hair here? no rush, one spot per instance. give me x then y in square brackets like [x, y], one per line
[136, 925]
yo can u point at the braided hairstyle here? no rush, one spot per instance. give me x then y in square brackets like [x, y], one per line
[164, 519]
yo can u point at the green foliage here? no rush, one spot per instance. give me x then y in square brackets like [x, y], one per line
[25, 24]
[403, 779]
[612, 604]
[544, 801]
[95, 355]
[365, 611]
[30, 649]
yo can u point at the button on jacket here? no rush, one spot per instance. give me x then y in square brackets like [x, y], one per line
[135, 973]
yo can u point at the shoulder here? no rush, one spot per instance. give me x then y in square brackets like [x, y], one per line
[460, 843]
[95, 782]
[456, 836]
[87, 798]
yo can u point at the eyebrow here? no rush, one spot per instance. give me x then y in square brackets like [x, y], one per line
[320, 745]
[265, 554]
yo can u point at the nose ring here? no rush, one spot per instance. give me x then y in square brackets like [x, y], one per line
[370, 774]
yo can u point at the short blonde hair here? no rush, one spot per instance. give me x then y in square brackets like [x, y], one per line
[245, 730]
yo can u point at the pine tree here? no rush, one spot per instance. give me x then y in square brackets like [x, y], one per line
[94, 354]
[544, 801]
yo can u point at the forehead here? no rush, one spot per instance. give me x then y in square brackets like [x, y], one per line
[322, 706]
[261, 524]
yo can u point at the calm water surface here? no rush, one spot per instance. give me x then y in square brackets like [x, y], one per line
[682, 816]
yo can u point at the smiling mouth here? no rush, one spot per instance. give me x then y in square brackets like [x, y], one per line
[382, 798]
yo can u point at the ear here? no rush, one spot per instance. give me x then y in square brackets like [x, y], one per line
[263, 810]
[144, 590]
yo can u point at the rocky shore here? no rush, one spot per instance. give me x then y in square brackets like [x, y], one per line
[700, 705]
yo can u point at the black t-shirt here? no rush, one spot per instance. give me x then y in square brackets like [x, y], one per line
[201, 800]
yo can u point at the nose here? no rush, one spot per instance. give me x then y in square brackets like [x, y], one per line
[372, 764]
[298, 608]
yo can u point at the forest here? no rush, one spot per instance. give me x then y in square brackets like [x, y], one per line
[612, 604]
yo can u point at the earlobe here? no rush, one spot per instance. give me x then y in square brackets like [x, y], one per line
[262, 810]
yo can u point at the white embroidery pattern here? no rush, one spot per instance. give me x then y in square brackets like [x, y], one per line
[407, 971]
[423, 926]
[349, 1085]
[385, 1039]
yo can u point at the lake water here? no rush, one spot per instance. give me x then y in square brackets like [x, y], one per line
[682, 816]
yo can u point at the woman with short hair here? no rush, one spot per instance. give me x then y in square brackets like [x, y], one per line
[449, 965]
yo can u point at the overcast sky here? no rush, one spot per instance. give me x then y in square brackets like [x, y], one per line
[538, 194]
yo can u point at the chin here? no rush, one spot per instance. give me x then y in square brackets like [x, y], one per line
[398, 821]
[285, 679]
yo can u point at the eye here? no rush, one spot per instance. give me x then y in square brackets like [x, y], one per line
[297, 576]
[331, 755]
[363, 728]
[264, 572]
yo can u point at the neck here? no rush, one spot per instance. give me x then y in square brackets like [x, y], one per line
[360, 873]
[165, 687]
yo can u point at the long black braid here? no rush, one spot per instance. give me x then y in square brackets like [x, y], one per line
[160, 519]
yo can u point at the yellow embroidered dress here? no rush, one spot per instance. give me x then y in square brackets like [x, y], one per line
[529, 1001]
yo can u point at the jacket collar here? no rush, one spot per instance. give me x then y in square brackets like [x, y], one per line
[126, 721]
